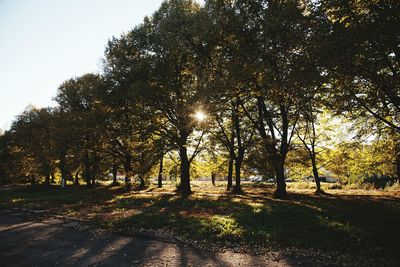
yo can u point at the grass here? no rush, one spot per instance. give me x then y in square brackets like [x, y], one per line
[358, 222]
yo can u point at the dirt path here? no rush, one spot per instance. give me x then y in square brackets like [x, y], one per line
[26, 242]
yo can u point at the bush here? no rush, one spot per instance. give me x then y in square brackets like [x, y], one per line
[393, 187]
[379, 181]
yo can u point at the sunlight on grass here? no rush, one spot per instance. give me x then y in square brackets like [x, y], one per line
[257, 207]
[339, 226]
[17, 200]
[222, 226]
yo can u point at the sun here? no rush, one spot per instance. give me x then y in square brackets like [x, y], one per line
[200, 116]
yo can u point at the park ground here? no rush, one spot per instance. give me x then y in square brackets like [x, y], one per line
[345, 227]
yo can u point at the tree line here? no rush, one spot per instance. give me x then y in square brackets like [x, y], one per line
[245, 81]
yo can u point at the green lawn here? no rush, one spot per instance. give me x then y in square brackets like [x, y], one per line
[358, 223]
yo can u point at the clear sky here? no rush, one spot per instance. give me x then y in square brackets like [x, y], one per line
[44, 42]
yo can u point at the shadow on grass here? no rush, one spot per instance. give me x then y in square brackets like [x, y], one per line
[29, 241]
[51, 196]
[360, 225]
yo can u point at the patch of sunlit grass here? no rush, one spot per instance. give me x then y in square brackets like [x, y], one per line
[257, 207]
[17, 200]
[223, 226]
[334, 224]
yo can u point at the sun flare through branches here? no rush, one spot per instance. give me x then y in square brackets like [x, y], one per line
[200, 116]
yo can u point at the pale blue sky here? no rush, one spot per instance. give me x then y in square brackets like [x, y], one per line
[44, 42]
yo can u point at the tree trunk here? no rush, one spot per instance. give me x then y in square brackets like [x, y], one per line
[240, 154]
[160, 172]
[93, 176]
[128, 172]
[237, 189]
[86, 167]
[231, 158]
[276, 158]
[114, 173]
[230, 174]
[184, 187]
[76, 180]
[47, 178]
[141, 181]
[316, 175]
[63, 170]
[33, 179]
[213, 178]
[280, 180]
[94, 171]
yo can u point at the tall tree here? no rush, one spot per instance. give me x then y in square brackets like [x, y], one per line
[79, 98]
[175, 43]
[33, 143]
[314, 132]
[276, 70]
[130, 123]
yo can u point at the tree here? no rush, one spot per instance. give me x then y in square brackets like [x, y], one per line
[384, 143]
[79, 98]
[227, 86]
[33, 144]
[7, 161]
[314, 132]
[131, 123]
[66, 141]
[363, 57]
[172, 41]
[233, 131]
[223, 132]
[276, 70]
